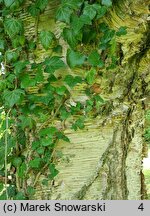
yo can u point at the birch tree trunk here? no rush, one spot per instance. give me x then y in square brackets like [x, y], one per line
[104, 160]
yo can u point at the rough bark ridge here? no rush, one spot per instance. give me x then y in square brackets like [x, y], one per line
[103, 161]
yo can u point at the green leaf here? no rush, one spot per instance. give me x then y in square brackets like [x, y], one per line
[12, 97]
[2, 85]
[13, 26]
[73, 4]
[17, 161]
[101, 11]
[53, 63]
[61, 90]
[26, 121]
[71, 81]
[122, 31]
[27, 81]
[21, 171]
[103, 27]
[11, 56]
[75, 58]
[89, 11]
[53, 171]
[78, 22]
[20, 196]
[30, 190]
[64, 114]
[63, 14]
[40, 150]
[39, 77]
[50, 131]
[46, 141]
[108, 35]
[62, 136]
[33, 10]
[69, 36]
[1, 187]
[20, 66]
[8, 3]
[13, 4]
[3, 196]
[79, 123]
[35, 145]
[46, 38]
[91, 75]
[11, 191]
[2, 45]
[35, 163]
[45, 182]
[94, 59]
[58, 49]
[41, 4]
[107, 3]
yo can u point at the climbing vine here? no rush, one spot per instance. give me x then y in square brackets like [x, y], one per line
[34, 101]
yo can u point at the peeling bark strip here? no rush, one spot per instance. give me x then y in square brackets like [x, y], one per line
[103, 161]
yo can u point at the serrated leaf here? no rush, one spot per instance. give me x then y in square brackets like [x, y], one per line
[63, 14]
[12, 97]
[69, 36]
[13, 26]
[94, 59]
[122, 31]
[75, 58]
[91, 75]
[107, 3]
[53, 64]
[46, 38]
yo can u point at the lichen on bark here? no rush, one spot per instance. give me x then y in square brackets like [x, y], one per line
[103, 161]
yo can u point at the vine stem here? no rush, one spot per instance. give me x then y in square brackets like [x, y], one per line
[52, 118]
[45, 166]
[6, 150]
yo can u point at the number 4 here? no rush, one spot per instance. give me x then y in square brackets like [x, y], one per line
[141, 207]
